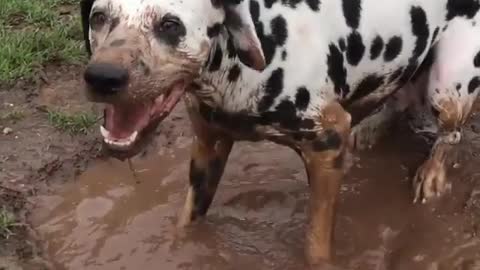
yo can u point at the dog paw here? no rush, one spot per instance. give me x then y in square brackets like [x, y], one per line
[430, 181]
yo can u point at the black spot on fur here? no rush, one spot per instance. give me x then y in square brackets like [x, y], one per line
[284, 55]
[377, 47]
[328, 140]
[368, 85]
[237, 122]
[232, 2]
[233, 19]
[279, 30]
[336, 70]
[217, 60]
[273, 88]
[393, 48]
[408, 72]
[118, 42]
[269, 48]
[473, 84]
[254, 10]
[234, 73]
[352, 12]
[245, 57]
[269, 3]
[458, 86]
[435, 35]
[268, 42]
[231, 49]
[285, 114]
[217, 3]
[115, 22]
[420, 30]
[355, 48]
[314, 4]
[395, 75]
[307, 123]
[302, 98]
[466, 8]
[342, 45]
[476, 60]
[425, 66]
[214, 30]
[291, 3]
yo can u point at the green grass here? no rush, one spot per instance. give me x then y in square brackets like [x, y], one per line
[34, 33]
[7, 222]
[13, 116]
[74, 124]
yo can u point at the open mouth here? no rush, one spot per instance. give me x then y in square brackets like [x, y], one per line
[124, 122]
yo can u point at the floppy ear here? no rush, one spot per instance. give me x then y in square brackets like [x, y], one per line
[239, 23]
[85, 8]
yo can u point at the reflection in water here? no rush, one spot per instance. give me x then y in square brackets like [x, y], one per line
[109, 220]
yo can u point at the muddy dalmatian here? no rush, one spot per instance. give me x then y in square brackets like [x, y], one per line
[322, 77]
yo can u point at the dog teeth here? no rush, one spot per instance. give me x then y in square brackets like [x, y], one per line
[117, 144]
[160, 98]
[105, 132]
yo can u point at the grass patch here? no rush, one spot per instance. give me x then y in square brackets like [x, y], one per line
[34, 33]
[7, 222]
[13, 116]
[74, 124]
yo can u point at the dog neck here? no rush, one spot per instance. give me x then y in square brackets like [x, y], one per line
[225, 82]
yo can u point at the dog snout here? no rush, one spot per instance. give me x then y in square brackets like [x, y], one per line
[106, 79]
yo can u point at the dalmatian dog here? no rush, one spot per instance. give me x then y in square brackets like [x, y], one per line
[317, 76]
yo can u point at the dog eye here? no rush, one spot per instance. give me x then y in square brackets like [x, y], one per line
[170, 30]
[98, 19]
[170, 25]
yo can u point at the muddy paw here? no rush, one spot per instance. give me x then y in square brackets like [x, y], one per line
[430, 181]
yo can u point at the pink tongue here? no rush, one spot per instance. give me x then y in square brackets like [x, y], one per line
[124, 119]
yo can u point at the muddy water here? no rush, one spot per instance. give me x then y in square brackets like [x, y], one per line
[111, 220]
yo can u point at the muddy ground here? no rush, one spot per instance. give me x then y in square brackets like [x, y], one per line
[79, 210]
[37, 158]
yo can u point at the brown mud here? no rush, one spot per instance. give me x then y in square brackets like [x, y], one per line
[110, 219]
[38, 159]
[89, 212]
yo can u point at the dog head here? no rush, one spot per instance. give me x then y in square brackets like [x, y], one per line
[145, 53]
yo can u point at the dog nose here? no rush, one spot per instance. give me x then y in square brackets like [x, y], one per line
[106, 78]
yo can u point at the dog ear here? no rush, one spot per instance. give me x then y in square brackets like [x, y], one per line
[239, 23]
[85, 9]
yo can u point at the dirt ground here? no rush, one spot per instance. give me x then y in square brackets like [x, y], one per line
[37, 158]
[55, 182]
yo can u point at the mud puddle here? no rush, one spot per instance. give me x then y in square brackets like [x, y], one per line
[110, 220]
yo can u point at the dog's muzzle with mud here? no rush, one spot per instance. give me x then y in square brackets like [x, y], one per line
[127, 115]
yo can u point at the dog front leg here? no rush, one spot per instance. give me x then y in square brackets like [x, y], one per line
[210, 151]
[325, 160]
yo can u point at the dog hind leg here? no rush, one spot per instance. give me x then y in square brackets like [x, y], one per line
[452, 85]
